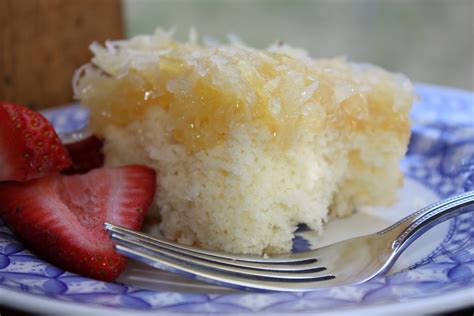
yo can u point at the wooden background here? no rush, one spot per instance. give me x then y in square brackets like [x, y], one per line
[42, 42]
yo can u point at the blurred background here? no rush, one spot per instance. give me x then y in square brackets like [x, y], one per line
[42, 42]
[429, 40]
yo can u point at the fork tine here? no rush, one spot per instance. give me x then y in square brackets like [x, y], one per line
[297, 258]
[224, 279]
[211, 264]
[297, 266]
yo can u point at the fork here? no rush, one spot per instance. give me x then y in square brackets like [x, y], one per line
[348, 262]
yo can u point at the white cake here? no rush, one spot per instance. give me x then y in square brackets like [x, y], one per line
[248, 143]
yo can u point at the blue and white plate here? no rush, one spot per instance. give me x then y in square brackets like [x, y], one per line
[435, 274]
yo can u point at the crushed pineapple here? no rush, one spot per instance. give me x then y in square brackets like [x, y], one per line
[208, 90]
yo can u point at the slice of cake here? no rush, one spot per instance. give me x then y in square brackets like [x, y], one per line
[247, 143]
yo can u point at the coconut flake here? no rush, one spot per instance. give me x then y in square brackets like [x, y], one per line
[75, 79]
[275, 106]
[309, 91]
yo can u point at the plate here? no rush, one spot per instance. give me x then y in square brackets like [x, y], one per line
[436, 273]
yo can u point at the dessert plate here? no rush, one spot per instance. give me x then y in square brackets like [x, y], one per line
[435, 274]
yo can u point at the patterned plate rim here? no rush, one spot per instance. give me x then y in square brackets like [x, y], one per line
[460, 297]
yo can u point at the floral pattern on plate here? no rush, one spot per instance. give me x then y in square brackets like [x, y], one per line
[440, 157]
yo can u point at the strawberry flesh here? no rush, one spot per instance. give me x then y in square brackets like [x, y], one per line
[29, 146]
[61, 217]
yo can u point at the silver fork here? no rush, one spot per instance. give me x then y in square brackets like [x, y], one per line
[348, 262]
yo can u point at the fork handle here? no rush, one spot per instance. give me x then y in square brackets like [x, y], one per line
[414, 225]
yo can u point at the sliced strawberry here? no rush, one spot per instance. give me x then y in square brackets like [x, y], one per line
[61, 217]
[85, 155]
[29, 146]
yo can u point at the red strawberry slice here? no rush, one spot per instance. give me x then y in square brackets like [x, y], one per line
[61, 217]
[85, 154]
[29, 146]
